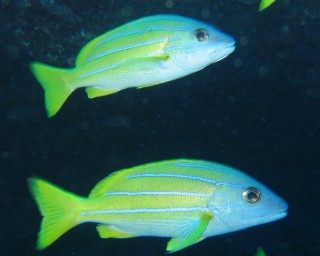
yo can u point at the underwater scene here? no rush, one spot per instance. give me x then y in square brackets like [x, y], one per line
[188, 127]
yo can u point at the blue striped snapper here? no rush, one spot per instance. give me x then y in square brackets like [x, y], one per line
[142, 53]
[187, 200]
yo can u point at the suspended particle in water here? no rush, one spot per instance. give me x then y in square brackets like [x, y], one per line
[169, 3]
[244, 41]
[263, 70]
[237, 63]
[205, 13]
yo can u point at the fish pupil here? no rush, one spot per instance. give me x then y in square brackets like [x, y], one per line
[201, 35]
[252, 195]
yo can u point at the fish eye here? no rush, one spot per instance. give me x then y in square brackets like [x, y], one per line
[201, 35]
[252, 195]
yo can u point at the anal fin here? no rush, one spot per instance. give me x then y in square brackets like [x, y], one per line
[94, 92]
[147, 85]
[106, 231]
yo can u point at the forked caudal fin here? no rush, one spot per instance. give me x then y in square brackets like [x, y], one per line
[59, 208]
[52, 81]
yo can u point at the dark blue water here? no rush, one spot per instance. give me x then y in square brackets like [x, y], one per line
[257, 110]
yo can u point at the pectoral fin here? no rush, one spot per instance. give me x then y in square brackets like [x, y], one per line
[141, 64]
[190, 234]
[106, 231]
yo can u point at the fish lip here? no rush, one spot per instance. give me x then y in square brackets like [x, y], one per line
[278, 215]
[223, 51]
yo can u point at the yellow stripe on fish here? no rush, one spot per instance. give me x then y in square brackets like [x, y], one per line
[142, 53]
[187, 200]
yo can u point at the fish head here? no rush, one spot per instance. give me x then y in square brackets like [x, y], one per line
[239, 202]
[198, 45]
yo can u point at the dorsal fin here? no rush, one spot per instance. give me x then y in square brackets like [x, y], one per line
[104, 185]
[84, 53]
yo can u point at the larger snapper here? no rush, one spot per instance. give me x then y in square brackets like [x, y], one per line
[142, 53]
[186, 200]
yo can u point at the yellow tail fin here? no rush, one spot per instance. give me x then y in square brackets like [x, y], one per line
[52, 80]
[59, 208]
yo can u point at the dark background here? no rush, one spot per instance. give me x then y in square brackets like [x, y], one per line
[257, 110]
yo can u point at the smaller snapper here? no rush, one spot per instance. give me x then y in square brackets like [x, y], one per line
[265, 4]
[142, 53]
[187, 200]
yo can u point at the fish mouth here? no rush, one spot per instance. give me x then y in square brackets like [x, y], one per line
[278, 215]
[222, 53]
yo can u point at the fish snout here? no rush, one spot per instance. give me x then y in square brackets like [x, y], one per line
[220, 52]
[279, 210]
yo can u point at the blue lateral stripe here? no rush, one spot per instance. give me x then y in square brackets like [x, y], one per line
[180, 176]
[129, 33]
[127, 47]
[188, 165]
[157, 193]
[163, 18]
[132, 46]
[145, 210]
[201, 166]
[140, 31]
[181, 47]
[229, 185]
[98, 71]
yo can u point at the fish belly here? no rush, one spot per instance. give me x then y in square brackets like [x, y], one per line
[141, 218]
[131, 74]
[157, 228]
